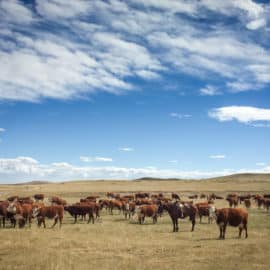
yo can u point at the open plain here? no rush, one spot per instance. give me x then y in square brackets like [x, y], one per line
[116, 243]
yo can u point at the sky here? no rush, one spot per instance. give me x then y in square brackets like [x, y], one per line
[128, 89]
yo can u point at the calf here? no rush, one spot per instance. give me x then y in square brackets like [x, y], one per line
[233, 201]
[55, 212]
[247, 203]
[147, 211]
[232, 216]
[58, 201]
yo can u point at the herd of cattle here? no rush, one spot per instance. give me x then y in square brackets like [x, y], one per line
[22, 210]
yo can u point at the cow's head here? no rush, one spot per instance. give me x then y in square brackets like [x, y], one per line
[35, 211]
[12, 208]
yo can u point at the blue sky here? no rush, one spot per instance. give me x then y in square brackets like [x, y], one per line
[127, 89]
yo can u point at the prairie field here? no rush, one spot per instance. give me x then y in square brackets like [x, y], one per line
[116, 243]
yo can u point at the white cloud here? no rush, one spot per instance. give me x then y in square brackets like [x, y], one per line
[243, 114]
[217, 156]
[179, 115]
[258, 23]
[209, 90]
[260, 164]
[145, 39]
[2, 129]
[22, 169]
[126, 149]
[14, 11]
[95, 159]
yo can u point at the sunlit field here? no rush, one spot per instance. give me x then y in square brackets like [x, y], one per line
[116, 243]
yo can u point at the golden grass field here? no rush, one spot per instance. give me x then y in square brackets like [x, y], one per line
[116, 243]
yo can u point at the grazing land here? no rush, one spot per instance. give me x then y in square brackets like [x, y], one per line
[116, 243]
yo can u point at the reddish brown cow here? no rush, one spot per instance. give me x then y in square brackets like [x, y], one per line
[143, 201]
[58, 201]
[259, 200]
[129, 209]
[15, 213]
[142, 195]
[247, 203]
[55, 212]
[27, 200]
[39, 197]
[175, 196]
[147, 211]
[233, 201]
[115, 204]
[267, 204]
[128, 196]
[233, 217]
[3, 212]
[193, 196]
[12, 198]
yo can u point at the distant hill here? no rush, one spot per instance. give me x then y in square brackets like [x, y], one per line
[235, 177]
[34, 183]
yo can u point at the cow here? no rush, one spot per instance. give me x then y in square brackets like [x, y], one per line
[15, 214]
[115, 204]
[267, 196]
[193, 196]
[203, 196]
[233, 217]
[141, 195]
[55, 212]
[143, 201]
[177, 210]
[147, 211]
[204, 210]
[129, 209]
[12, 198]
[27, 200]
[81, 210]
[233, 201]
[175, 196]
[39, 197]
[3, 213]
[247, 203]
[267, 204]
[130, 197]
[58, 201]
[259, 200]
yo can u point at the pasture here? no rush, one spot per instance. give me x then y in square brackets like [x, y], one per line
[116, 243]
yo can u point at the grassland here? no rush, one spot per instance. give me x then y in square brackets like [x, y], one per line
[116, 243]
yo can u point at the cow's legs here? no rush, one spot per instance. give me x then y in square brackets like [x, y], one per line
[60, 221]
[224, 230]
[55, 221]
[193, 221]
[245, 228]
[43, 221]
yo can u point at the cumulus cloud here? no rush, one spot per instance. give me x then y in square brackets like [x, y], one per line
[95, 159]
[22, 169]
[243, 114]
[146, 39]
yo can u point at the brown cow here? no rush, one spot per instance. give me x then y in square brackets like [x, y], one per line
[233, 201]
[193, 196]
[81, 209]
[234, 217]
[247, 203]
[39, 197]
[12, 198]
[115, 204]
[15, 213]
[55, 212]
[3, 212]
[177, 210]
[58, 201]
[267, 204]
[141, 195]
[147, 211]
[175, 196]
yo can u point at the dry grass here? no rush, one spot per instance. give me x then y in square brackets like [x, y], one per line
[119, 244]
